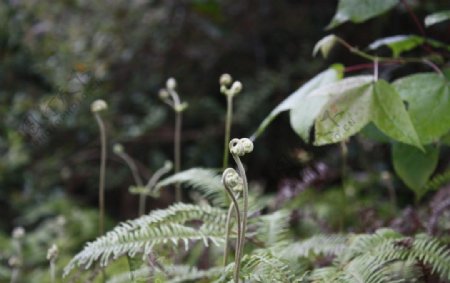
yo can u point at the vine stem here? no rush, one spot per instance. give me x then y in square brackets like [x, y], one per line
[101, 186]
[245, 199]
[227, 130]
[237, 259]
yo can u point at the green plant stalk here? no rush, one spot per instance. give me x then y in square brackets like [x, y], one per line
[101, 186]
[228, 231]
[237, 258]
[177, 154]
[344, 177]
[245, 199]
[154, 179]
[52, 271]
[228, 120]
[137, 179]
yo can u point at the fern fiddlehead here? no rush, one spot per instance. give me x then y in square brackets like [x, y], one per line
[238, 148]
[170, 96]
[232, 182]
[96, 107]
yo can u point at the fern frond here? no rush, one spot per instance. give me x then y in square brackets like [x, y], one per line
[274, 227]
[168, 226]
[329, 245]
[206, 181]
[261, 266]
[179, 274]
[438, 181]
[387, 246]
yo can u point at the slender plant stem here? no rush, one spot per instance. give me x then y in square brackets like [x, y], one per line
[245, 199]
[137, 179]
[152, 182]
[101, 186]
[344, 177]
[226, 151]
[228, 231]
[237, 258]
[52, 271]
[177, 144]
[372, 58]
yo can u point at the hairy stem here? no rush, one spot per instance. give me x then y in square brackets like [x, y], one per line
[237, 259]
[227, 131]
[101, 186]
[245, 199]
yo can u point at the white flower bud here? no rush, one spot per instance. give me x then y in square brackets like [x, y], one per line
[52, 252]
[236, 87]
[118, 148]
[98, 105]
[171, 84]
[168, 165]
[225, 80]
[18, 233]
[163, 94]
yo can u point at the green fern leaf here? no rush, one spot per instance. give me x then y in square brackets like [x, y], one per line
[169, 226]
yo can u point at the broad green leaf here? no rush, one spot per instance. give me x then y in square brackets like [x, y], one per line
[324, 45]
[398, 43]
[428, 99]
[437, 18]
[359, 11]
[373, 133]
[413, 166]
[333, 74]
[303, 116]
[402, 43]
[346, 112]
[390, 116]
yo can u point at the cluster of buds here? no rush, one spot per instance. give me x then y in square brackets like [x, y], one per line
[241, 147]
[170, 96]
[225, 82]
[18, 233]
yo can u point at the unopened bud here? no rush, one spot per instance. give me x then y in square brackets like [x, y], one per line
[225, 80]
[236, 87]
[98, 105]
[118, 148]
[171, 84]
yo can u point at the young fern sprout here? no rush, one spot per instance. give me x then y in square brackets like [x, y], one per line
[170, 96]
[52, 255]
[142, 190]
[96, 107]
[225, 81]
[238, 148]
[233, 183]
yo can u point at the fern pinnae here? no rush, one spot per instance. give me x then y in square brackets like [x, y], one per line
[206, 181]
[168, 226]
